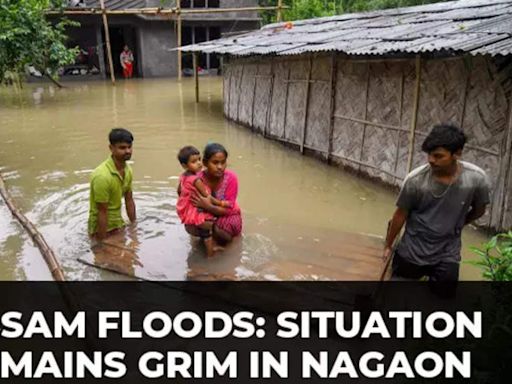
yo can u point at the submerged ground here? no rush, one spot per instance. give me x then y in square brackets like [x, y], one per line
[295, 208]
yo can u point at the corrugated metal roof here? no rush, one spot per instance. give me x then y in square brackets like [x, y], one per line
[463, 26]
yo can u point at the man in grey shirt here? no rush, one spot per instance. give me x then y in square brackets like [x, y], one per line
[436, 201]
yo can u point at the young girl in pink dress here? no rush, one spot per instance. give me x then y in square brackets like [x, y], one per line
[191, 184]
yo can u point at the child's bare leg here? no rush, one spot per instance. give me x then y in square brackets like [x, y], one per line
[208, 241]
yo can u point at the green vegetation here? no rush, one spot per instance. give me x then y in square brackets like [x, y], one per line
[495, 258]
[307, 9]
[28, 38]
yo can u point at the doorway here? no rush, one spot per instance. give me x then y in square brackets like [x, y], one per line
[119, 36]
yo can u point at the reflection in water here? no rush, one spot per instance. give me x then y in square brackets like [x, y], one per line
[295, 208]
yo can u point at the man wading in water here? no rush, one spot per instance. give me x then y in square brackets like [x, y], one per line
[110, 181]
[436, 201]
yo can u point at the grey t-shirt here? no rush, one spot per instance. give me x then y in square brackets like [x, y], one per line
[437, 213]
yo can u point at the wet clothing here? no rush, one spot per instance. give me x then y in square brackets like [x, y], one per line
[126, 58]
[227, 190]
[107, 186]
[437, 214]
[187, 213]
[441, 271]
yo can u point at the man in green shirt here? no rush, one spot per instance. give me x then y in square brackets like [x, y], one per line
[110, 182]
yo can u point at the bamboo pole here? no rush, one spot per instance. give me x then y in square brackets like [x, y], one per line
[467, 81]
[414, 120]
[239, 93]
[254, 95]
[269, 103]
[400, 119]
[179, 37]
[286, 101]
[44, 248]
[196, 77]
[371, 123]
[332, 105]
[107, 41]
[159, 11]
[367, 94]
[308, 89]
[279, 12]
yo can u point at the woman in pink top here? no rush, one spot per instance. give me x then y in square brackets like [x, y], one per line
[223, 185]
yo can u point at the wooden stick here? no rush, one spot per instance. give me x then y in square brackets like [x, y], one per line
[362, 163]
[196, 76]
[306, 81]
[400, 111]
[44, 248]
[159, 11]
[271, 95]
[239, 93]
[229, 92]
[372, 123]
[365, 111]
[107, 40]
[466, 91]
[179, 37]
[332, 105]
[254, 96]
[286, 102]
[279, 12]
[414, 120]
[308, 89]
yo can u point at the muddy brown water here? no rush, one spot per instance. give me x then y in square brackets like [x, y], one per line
[294, 207]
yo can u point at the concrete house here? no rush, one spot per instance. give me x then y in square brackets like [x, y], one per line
[152, 38]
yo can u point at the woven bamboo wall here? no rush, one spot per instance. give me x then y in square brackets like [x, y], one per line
[360, 113]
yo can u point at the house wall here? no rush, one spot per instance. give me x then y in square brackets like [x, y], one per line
[156, 41]
[359, 113]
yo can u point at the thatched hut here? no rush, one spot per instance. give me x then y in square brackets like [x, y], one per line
[364, 89]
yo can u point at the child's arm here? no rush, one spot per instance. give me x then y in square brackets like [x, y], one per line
[199, 185]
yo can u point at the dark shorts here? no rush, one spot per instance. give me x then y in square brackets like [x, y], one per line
[442, 271]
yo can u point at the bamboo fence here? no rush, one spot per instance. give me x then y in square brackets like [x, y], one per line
[372, 115]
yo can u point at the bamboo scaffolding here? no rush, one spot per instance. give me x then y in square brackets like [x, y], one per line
[107, 40]
[196, 77]
[160, 11]
[279, 10]
[40, 242]
[156, 11]
[179, 38]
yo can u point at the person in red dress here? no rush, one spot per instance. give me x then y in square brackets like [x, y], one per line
[126, 59]
[190, 185]
[223, 184]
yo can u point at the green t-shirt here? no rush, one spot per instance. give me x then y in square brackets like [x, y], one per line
[107, 186]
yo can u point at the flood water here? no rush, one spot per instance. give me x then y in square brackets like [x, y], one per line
[293, 206]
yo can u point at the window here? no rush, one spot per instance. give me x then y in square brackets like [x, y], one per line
[200, 3]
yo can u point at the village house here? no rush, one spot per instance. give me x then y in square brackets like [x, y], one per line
[363, 89]
[152, 38]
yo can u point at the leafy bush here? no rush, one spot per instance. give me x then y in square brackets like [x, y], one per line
[28, 38]
[495, 258]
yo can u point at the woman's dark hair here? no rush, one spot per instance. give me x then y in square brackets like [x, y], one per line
[120, 135]
[185, 153]
[447, 136]
[211, 149]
